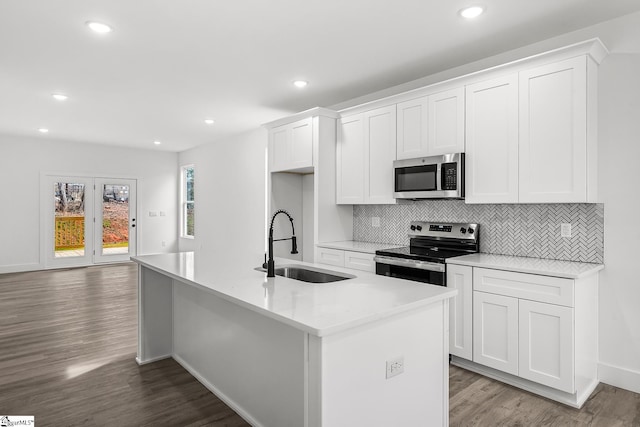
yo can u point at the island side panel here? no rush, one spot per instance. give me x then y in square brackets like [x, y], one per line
[348, 384]
[253, 363]
[155, 316]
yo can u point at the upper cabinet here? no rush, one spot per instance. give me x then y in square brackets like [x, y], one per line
[291, 147]
[431, 125]
[531, 135]
[366, 150]
[492, 141]
[554, 142]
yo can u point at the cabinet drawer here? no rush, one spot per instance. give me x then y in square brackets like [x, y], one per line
[330, 256]
[552, 290]
[359, 261]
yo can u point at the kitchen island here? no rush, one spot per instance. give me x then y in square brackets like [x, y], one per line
[367, 351]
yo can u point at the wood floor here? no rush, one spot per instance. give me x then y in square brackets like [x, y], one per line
[67, 349]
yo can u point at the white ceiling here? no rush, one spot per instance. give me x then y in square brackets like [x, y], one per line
[169, 64]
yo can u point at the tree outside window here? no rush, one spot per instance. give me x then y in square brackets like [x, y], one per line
[188, 201]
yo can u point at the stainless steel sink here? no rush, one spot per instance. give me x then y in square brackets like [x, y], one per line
[309, 274]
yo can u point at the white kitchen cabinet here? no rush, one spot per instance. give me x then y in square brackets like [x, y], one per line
[431, 125]
[350, 160]
[491, 160]
[446, 122]
[365, 155]
[330, 256]
[359, 261]
[495, 331]
[291, 147]
[534, 331]
[546, 345]
[349, 259]
[557, 140]
[412, 137]
[460, 277]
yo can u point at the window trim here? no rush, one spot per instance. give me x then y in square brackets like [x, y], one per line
[184, 202]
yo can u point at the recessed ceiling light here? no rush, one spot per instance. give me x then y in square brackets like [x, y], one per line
[60, 96]
[471, 12]
[300, 83]
[99, 27]
[43, 130]
[209, 121]
[157, 142]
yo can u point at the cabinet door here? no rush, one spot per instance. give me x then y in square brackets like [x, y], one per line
[279, 143]
[446, 122]
[302, 144]
[546, 345]
[495, 331]
[460, 277]
[380, 152]
[412, 136]
[350, 160]
[553, 133]
[492, 141]
[359, 261]
[330, 256]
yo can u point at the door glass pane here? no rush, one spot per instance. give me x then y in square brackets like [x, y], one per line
[69, 219]
[115, 219]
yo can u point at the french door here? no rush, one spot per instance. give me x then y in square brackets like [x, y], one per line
[88, 220]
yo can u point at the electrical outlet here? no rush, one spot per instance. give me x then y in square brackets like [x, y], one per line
[375, 221]
[153, 213]
[565, 230]
[395, 367]
[164, 243]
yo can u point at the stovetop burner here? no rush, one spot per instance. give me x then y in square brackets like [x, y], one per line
[435, 242]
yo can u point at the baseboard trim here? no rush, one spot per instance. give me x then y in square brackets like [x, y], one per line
[155, 359]
[213, 389]
[574, 400]
[20, 268]
[619, 377]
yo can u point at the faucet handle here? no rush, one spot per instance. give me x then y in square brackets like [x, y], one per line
[264, 264]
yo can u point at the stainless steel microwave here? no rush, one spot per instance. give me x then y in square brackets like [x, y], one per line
[436, 177]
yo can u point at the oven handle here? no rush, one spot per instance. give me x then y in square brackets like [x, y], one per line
[420, 265]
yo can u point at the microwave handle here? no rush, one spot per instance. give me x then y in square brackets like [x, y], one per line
[439, 177]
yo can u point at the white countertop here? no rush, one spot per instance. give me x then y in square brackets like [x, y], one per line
[545, 267]
[319, 309]
[351, 245]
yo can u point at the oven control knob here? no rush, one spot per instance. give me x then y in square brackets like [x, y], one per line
[413, 227]
[463, 230]
[419, 227]
[470, 230]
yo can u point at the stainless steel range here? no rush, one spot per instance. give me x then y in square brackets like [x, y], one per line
[430, 245]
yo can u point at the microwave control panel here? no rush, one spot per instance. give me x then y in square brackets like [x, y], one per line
[449, 176]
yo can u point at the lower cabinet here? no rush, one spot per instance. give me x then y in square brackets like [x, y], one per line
[348, 259]
[538, 328]
[495, 331]
[546, 351]
[460, 277]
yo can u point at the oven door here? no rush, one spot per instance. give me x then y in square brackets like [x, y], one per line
[418, 271]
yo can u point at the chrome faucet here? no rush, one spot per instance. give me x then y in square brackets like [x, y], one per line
[270, 265]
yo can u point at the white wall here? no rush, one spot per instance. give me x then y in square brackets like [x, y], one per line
[619, 151]
[23, 160]
[229, 195]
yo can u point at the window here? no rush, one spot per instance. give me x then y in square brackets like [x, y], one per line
[188, 173]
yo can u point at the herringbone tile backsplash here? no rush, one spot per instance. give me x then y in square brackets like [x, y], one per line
[521, 230]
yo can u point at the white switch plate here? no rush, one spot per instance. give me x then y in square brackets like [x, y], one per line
[375, 221]
[395, 367]
[565, 230]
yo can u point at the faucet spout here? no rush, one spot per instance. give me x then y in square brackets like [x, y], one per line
[294, 244]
